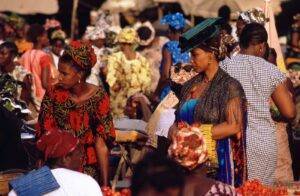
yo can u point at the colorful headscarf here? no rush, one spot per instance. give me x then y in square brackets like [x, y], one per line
[128, 35]
[175, 21]
[56, 144]
[82, 53]
[52, 23]
[203, 34]
[99, 30]
[188, 147]
[254, 15]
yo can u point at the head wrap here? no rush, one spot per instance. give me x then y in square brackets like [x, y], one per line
[52, 23]
[58, 34]
[207, 34]
[82, 53]
[99, 30]
[175, 21]
[254, 15]
[128, 35]
[188, 148]
[56, 144]
[148, 25]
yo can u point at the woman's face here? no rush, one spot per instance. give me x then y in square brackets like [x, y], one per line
[200, 59]
[126, 47]
[5, 56]
[57, 47]
[240, 24]
[68, 76]
[43, 39]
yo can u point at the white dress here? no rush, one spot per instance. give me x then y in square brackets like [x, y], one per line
[259, 79]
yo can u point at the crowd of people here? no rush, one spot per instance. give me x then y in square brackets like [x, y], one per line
[217, 109]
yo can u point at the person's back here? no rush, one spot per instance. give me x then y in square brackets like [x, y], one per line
[74, 183]
[260, 80]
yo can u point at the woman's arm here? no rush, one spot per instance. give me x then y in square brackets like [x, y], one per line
[165, 72]
[102, 154]
[234, 120]
[283, 99]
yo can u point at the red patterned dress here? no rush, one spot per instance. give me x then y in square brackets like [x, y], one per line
[86, 121]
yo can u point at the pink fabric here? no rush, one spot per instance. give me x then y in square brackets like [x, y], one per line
[35, 61]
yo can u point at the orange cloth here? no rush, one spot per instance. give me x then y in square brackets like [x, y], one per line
[35, 61]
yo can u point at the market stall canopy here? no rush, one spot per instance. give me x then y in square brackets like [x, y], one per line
[30, 6]
[209, 8]
[115, 6]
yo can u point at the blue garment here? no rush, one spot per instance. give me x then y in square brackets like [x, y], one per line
[187, 111]
[186, 114]
[177, 57]
[35, 183]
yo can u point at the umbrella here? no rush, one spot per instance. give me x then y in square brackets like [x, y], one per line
[29, 6]
[116, 6]
[210, 8]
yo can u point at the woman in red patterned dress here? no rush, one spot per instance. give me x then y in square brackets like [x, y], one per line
[80, 108]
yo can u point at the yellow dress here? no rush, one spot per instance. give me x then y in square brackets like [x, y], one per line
[125, 78]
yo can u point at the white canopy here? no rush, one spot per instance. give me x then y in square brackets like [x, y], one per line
[209, 8]
[30, 6]
[116, 6]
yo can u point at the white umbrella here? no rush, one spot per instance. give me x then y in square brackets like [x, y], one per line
[29, 6]
[209, 8]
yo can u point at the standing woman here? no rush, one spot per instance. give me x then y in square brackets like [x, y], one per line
[213, 97]
[38, 62]
[80, 108]
[260, 80]
[128, 72]
[171, 53]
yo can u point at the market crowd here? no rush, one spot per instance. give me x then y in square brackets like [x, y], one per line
[218, 111]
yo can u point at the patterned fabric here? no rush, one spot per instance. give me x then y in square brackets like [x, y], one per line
[221, 189]
[254, 15]
[211, 109]
[82, 53]
[86, 121]
[125, 78]
[259, 79]
[94, 77]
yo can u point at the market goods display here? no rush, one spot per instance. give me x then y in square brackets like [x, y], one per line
[256, 188]
[107, 191]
